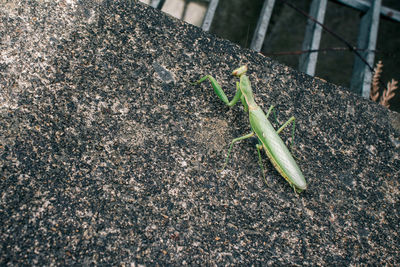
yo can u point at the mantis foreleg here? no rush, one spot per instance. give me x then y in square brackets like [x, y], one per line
[220, 93]
[242, 99]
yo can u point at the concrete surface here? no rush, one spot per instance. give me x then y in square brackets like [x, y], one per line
[108, 156]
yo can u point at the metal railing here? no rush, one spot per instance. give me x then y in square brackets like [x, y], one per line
[366, 42]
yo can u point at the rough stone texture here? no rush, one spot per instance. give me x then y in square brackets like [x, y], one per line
[109, 156]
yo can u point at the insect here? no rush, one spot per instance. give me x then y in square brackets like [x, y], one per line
[268, 138]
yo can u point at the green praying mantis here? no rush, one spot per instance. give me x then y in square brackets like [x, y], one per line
[268, 138]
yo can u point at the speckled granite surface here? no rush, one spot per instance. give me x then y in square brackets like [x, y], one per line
[108, 156]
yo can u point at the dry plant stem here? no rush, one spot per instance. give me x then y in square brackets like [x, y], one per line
[374, 93]
[389, 93]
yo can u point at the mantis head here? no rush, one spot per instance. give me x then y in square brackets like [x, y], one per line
[240, 71]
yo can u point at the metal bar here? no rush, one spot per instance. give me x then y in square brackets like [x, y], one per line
[157, 3]
[208, 18]
[368, 33]
[364, 5]
[312, 38]
[262, 25]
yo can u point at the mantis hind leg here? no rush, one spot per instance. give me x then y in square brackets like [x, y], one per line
[259, 147]
[231, 146]
[271, 109]
[292, 119]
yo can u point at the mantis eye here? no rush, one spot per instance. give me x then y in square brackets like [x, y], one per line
[240, 71]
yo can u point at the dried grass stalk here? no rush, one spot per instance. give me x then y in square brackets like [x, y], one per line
[389, 93]
[374, 93]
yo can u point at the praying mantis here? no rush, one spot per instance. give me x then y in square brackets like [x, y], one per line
[268, 138]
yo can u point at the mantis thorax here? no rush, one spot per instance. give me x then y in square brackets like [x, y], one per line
[245, 86]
